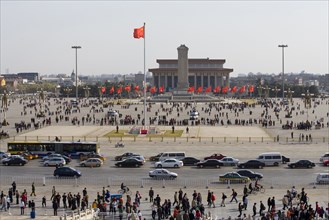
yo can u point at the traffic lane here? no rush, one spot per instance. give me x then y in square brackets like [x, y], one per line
[272, 175]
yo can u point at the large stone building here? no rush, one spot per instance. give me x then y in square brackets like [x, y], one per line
[201, 72]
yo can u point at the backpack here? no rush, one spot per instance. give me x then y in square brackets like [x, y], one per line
[235, 194]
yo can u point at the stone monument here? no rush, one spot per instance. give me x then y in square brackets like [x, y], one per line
[182, 73]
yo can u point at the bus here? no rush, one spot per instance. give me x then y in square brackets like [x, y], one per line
[43, 148]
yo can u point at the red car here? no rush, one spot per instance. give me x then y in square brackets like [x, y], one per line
[215, 156]
[326, 163]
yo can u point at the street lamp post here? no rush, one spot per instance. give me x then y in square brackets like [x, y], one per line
[76, 72]
[283, 46]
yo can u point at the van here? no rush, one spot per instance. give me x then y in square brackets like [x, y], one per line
[270, 158]
[322, 178]
[324, 157]
[176, 155]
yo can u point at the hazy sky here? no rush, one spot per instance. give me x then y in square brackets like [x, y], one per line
[38, 35]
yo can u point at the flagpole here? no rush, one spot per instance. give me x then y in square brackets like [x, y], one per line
[144, 83]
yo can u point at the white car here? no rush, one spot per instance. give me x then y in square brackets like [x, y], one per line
[162, 174]
[171, 162]
[229, 161]
[92, 162]
[55, 161]
[51, 156]
[324, 157]
[112, 113]
[322, 178]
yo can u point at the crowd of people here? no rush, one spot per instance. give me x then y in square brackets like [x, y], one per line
[182, 206]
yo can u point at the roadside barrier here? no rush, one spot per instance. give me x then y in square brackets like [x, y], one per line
[145, 182]
[241, 140]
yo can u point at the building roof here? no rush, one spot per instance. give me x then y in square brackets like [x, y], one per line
[193, 61]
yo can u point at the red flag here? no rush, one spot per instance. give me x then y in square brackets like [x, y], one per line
[136, 88]
[153, 89]
[190, 89]
[119, 90]
[112, 90]
[217, 89]
[139, 32]
[251, 88]
[208, 89]
[161, 89]
[103, 89]
[199, 90]
[127, 88]
[233, 89]
[225, 89]
[242, 89]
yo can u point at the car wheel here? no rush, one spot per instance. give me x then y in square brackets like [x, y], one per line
[83, 165]
[46, 164]
[21, 164]
[6, 164]
[176, 166]
[309, 166]
[136, 165]
[217, 166]
[120, 165]
[98, 165]
[60, 164]
[75, 176]
[242, 166]
[276, 164]
[57, 176]
[201, 166]
[293, 166]
[159, 166]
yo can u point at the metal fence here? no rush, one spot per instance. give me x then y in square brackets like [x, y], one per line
[214, 140]
[144, 182]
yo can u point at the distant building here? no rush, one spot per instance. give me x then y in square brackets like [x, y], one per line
[30, 76]
[201, 72]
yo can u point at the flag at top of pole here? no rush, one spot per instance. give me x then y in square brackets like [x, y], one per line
[139, 32]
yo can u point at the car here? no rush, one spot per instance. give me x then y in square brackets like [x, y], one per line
[67, 172]
[233, 177]
[229, 161]
[29, 156]
[252, 164]
[112, 113]
[125, 155]
[156, 157]
[322, 178]
[91, 162]
[4, 155]
[92, 155]
[66, 158]
[10, 158]
[210, 163]
[325, 163]
[55, 161]
[301, 164]
[129, 162]
[215, 156]
[190, 161]
[162, 174]
[171, 162]
[324, 157]
[139, 157]
[250, 174]
[14, 161]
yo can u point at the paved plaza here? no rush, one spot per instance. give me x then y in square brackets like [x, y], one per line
[243, 142]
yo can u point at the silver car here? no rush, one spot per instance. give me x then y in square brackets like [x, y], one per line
[229, 161]
[56, 161]
[162, 174]
[92, 162]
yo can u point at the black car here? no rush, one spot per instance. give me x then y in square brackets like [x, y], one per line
[125, 155]
[210, 163]
[67, 172]
[129, 162]
[302, 164]
[252, 164]
[156, 157]
[190, 161]
[14, 161]
[250, 174]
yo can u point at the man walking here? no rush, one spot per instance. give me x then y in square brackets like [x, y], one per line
[234, 195]
[33, 190]
[151, 194]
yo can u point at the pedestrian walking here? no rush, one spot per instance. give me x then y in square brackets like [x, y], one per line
[55, 206]
[254, 210]
[240, 207]
[234, 195]
[213, 199]
[222, 204]
[33, 190]
[151, 194]
[22, 206]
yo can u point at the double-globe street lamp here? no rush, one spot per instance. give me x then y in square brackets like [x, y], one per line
[76, 72]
